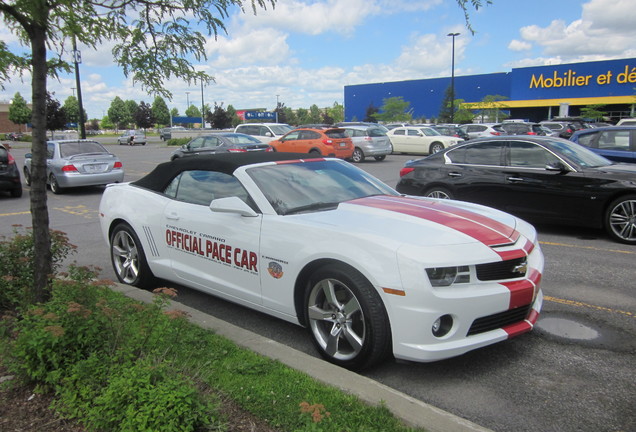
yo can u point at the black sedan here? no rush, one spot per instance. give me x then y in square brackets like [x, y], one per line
[542, 179]
[220, 142]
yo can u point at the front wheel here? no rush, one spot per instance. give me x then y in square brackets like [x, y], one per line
[128, 257]
[436, 148]
[380, 158]
[357, 156]
[346, 318]
[620, 219]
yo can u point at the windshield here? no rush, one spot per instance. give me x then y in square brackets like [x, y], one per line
[316, 185]
[579, 154]
[280, 129]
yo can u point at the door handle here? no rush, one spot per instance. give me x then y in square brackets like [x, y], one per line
[454, 174]
[514, 179]
[172, 216]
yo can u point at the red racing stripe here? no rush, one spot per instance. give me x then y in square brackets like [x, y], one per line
[522, 292]
[517, 328]
[482, 228]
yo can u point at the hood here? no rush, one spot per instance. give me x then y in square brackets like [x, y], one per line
[422, 221]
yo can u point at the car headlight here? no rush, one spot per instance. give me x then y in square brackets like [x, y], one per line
[446, 276]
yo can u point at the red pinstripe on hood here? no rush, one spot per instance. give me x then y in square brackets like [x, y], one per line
[482, 228]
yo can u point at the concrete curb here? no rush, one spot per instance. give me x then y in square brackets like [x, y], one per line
[413, 412]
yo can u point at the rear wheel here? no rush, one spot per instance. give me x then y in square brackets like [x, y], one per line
[17, 192]
[128, 257]
[357, 156]
[620, 219]
[438, 192]
[346, 318]
[55, 187]
[380, 158]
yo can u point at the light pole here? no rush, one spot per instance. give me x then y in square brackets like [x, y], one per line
[187, 100]
[276, 111]
[452, 101]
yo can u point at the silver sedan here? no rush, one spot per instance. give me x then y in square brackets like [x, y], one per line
[75, 163]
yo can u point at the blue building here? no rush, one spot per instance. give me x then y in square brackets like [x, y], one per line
[533, 93]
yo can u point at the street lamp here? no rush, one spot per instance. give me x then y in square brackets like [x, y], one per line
[452, 101]
[276, 111]
[187, 100]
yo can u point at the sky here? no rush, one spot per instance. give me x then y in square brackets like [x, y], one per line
[304, 52]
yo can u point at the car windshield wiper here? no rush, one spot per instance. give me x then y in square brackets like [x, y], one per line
[311, 207]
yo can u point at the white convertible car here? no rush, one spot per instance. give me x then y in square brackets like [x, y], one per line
[321, 243]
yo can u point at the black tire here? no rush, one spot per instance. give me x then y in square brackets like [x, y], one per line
[346, 318]
[357, 156]
[315, 152]
[620, 219]
[438, 192]
[128, 258]
[27, 176]
[54, 185]
[380, 158]
[16, 192]
[435, 148]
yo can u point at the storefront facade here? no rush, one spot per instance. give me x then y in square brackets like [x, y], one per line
[532, 93]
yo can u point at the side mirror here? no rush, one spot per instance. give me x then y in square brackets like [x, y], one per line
[232, 205]
[557, 166]
[268, 134]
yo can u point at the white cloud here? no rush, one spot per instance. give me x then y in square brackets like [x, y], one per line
[517, 45]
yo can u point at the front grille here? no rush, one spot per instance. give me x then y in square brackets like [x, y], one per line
[502, 319]
[501, 270]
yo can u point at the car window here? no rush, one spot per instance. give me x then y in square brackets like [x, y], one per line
[80, 147]
[211, 142]
[587, 139]
[280, 129]
[487, 153]
[412, 132]
[430, 132]
[530, 155]
[50, 150]
[334, 133]
[376, 132]
[242, 139]
[399, 132]
[196, 143]
[614, 140]
[201, 187]
[294, 135]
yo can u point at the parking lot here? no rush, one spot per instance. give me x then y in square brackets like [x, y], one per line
[573, 373]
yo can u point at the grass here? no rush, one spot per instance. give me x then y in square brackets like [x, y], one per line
[120, 365]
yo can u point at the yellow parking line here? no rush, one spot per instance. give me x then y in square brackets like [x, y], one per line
[589, 248]
[581, 304]
[15, 214]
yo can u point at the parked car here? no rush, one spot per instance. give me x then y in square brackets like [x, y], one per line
[523, 128]
[564, 129]
[626, 122]
[617, 143]
[542, 179]
[479, 130]
[419, 140]
[220, 142]
[368, 141]
[132, 137]
[265, 132]
[13, 136]
[320, 243]
[9, 173]
[166, 133]
[451, 130]
[326, 142]
[74, 163]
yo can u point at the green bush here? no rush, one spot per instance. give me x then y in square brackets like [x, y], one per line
[16, 264]
[178, 141]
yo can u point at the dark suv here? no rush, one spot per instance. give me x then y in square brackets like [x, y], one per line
[564, 129]
[9, 173]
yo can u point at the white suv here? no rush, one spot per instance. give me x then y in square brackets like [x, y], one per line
[264, 132]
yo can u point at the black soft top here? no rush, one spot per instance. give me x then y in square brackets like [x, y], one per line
[159, 178]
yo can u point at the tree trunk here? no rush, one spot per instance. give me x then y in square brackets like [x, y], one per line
[43, 264]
